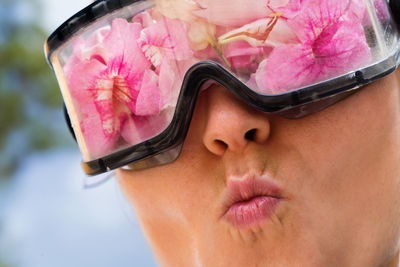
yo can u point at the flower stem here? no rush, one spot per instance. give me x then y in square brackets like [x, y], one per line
[219, 52]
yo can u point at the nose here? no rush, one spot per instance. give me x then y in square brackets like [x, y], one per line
[230, 123]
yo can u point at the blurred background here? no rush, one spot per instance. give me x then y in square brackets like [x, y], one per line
[47, 217]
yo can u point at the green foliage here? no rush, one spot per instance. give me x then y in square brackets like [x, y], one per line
[30, 101]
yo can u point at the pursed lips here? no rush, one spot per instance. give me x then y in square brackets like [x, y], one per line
[249, 200]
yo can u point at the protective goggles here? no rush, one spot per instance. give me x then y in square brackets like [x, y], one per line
[130, 71]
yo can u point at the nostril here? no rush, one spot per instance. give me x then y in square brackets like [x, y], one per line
[221, 144]
[218, 147]
[250, 135]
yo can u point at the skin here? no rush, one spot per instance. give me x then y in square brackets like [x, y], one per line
[339, 170]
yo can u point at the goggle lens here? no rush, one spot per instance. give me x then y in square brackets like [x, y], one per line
[121, 75]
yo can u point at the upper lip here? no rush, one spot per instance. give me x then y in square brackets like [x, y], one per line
[240, 189]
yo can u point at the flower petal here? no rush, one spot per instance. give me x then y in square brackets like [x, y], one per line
[96, 141]
[232, 12]
[143, 18]
[81, 71]
[168, 79]
[342, 47]
[122, 42]
[288, 67]
[148, 101]
[177, 32]
[315, 16]
[177, 9]
[288, 8]
[243, 56]
[255, 33]
[138, 129]
[200, 34]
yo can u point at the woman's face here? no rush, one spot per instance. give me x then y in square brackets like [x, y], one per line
[330, 186]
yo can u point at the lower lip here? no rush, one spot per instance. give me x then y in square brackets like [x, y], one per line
[252, 212]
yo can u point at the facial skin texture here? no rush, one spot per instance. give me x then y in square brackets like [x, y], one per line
[339, 170]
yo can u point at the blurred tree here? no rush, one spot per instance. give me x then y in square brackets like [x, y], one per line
[30, 101]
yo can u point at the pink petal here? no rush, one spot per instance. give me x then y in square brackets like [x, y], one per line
[282, 34]
[167, 36]
[168, 77]
[232, 12]
[241, 48]
[242, 55]
[80, 74]
[97, 38]
[288, 67]
[315, 16]
[144, 19]
[148, 101]
[138, 129]
[252, 83]
[104, 102]
[275, 4]
[206, 54]
[115, 43]
[170, 80]
[288, 8]
[178, 32]
[356, 11]
[122, 42]
[155, 35]
[130, 132]
[342, 47]
[119, 82]
[255, 33]
[112, 98]
[96, 141]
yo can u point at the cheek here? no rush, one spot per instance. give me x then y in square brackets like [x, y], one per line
[175, 194]
[173, 202]
[359, 135]
[159, 194]
[347, 166]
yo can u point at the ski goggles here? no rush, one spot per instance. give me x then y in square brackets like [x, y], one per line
[130, 71]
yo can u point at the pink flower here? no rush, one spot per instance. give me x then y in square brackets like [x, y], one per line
[330, 44]
[117, 79]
